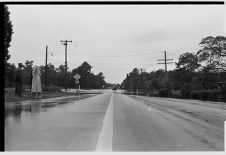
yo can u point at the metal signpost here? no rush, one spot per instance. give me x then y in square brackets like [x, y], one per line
[77, 77]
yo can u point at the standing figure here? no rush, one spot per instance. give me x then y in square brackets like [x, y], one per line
[36, 82]
[19, 80]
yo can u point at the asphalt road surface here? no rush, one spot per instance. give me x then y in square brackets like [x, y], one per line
[114, 122]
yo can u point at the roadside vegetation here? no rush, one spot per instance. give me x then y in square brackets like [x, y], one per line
[200, 75]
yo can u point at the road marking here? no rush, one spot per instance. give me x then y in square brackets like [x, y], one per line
[106, 134]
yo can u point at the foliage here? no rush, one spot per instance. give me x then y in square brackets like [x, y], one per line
[223, 93]
[88, 79]
[188, 62]
[206, 94]
[213, 53]
[56, 77]
[186, 90]
[164, 92]
[8, 31]
[10, 73]
[189, 78]
[51, 88]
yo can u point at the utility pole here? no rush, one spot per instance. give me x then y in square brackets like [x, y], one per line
[142, 70]
[64, 42]
[165, 62]
[46, 67]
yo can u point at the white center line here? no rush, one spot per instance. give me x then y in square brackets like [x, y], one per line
[106, 134]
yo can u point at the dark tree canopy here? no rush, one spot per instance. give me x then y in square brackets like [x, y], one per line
[188, 62]
[88, 79]
[8, 31]
[213, 53]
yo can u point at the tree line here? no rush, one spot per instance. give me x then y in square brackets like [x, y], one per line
[56, 76]
[200, 75]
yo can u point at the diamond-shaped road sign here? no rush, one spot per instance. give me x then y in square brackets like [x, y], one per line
[77, 76]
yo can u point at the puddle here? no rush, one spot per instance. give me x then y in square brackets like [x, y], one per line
[34, 107]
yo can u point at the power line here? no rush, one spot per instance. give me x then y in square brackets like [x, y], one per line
[141, 70]
[102, 56]
[165, 62]
[172, 56]
[110, 56]
[82, 54]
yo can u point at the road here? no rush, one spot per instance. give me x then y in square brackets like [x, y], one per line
[115, 122]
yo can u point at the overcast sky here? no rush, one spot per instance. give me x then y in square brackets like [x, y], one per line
[113, 39]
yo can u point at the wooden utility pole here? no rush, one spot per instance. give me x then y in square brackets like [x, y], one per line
[165, 65]
[165, 62]
[141, 70]
[64, 42]
[46, 68]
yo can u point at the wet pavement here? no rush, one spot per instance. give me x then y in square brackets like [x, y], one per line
[57, 124]
[114, 122]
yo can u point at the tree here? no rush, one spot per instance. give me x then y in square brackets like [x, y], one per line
[213, 53]
[51, 74]
[60, 75]
[84, 71]
[100, 80]
[10, 73]
[8, 31]
[188, 62]
[88, 79]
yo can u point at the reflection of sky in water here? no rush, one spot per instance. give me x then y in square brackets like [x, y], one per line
[31, 109]
[17, 112]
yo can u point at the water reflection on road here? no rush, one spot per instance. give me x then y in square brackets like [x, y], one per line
[33, 107]
[61, 123]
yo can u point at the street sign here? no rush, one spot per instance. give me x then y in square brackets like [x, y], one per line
[76, 81]
[77, 76]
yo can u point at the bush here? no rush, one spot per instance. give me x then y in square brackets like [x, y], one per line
[164, 92]
[206, 94]
[186, 91]
[9, 84]
[223, 93]
[6, 83]
[195, 95]
[52, 89]
[154, 94]
[214, 95]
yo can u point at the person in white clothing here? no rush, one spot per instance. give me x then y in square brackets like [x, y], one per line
[36, 87]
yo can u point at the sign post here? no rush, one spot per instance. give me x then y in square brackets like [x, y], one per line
[77, 77]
